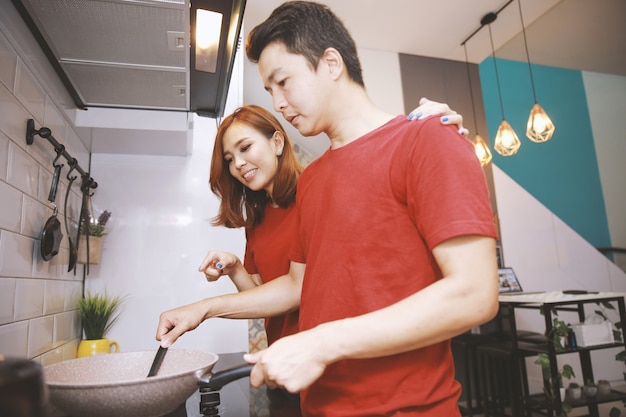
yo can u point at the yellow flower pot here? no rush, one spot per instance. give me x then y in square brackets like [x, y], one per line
[97, 347]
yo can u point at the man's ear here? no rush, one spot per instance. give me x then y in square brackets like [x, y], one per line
[332, 61]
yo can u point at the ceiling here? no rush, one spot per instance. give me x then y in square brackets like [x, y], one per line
[133, 34]
[577, 34]
[560, 33]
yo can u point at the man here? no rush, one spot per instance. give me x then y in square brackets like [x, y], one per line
[397, 241]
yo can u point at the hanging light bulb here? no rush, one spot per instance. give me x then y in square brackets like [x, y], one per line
[482, 150]
[539, 127]
[507, 143]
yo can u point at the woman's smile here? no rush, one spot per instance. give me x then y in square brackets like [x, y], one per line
[249, 175]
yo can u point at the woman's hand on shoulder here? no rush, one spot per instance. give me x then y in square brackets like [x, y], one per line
[429, 108]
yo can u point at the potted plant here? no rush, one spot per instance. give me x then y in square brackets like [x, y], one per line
[565, 372]
[590, 389]
[604, 387]
[91, 232]
[574, 391]
[98, 313]
[559, 334]
[558, 337]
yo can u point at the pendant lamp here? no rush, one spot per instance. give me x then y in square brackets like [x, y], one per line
[539, 127]
[480, 146]
[482, 150]
[506, 143]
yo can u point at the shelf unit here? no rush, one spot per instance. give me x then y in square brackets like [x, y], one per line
[540, 402]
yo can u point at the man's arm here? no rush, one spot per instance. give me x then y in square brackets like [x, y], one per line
[465, 297]
[279, 296]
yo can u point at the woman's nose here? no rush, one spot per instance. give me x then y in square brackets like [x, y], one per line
[239, 162]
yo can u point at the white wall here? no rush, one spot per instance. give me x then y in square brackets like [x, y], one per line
[606, 98]
[160, 231]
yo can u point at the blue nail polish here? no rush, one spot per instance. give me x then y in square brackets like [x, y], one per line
[418, 115]
[220, 266]
[410, 117]
[444, 119]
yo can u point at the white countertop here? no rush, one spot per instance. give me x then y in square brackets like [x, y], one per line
[554, 297]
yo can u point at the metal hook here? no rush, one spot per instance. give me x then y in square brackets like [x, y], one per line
[59, 150]
[88, 183]
[73, 163]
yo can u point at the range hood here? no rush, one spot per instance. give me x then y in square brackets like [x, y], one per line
[134, 54]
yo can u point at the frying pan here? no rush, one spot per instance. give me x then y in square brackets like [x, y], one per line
[116, 384]
[51, 235]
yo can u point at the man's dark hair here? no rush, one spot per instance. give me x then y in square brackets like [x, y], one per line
[307, 29]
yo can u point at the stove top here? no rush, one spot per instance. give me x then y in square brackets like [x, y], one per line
[240, 399]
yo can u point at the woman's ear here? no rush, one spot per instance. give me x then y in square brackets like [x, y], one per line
[279, 142]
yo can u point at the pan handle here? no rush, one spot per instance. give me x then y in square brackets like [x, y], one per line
[55, 182]
[215, 382]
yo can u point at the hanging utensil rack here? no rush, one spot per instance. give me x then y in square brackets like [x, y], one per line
[44, 132]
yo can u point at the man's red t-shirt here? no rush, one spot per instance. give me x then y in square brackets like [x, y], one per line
[369, 215]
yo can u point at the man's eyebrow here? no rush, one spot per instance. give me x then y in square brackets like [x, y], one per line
[270, 79]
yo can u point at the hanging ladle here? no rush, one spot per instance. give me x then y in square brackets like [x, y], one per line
[73, 248]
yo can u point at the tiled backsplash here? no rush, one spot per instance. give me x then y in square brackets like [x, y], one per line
[38, 317]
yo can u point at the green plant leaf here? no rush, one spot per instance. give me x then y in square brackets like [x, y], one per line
[568, 372]
[98, 313]
[601, 314]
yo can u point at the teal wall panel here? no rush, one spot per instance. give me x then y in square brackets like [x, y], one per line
[563, 172]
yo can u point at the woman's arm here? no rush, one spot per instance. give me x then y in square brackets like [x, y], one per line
[277, 297]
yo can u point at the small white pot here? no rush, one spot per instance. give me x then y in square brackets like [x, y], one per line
[574, 393]
[590, 391]
[604, 388]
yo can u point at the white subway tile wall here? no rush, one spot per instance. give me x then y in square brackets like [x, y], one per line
[7, 300]
[8, 63]
[38, 317]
